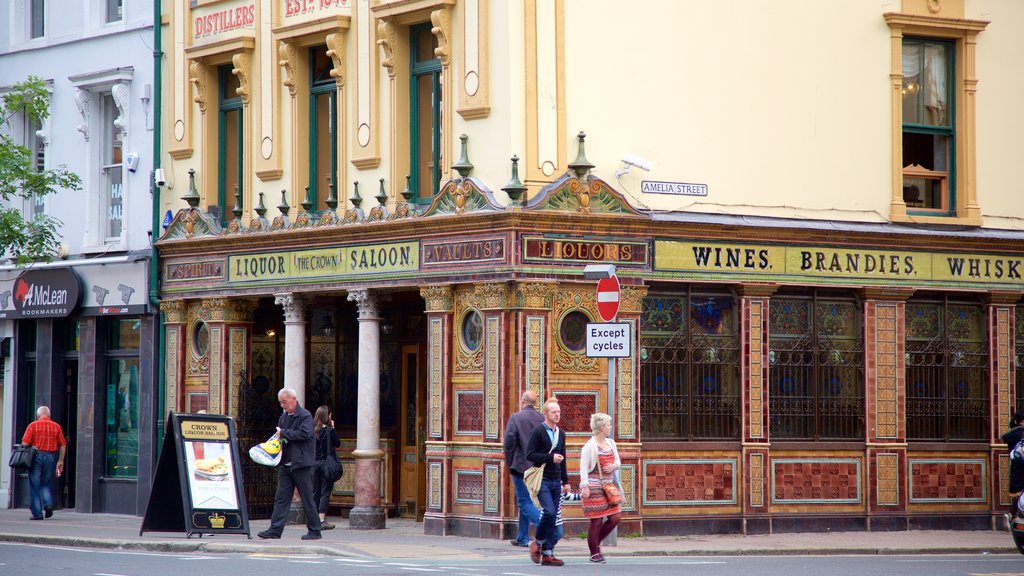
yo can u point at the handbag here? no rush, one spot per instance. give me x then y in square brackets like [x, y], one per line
[330, 467]
[534, 476]
[611, 490]
[22, 457]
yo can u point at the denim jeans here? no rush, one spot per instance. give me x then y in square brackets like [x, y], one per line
[39, 478]
[528, 513]
[550, 495]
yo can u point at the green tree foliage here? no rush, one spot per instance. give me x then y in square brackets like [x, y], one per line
[22, 239]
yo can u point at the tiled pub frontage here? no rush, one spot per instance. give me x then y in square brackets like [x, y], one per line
[785, 375]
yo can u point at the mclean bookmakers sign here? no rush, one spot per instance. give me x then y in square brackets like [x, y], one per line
[45, 293]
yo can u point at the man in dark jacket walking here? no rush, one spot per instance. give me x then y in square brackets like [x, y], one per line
[517, 434]
[547, 446]
[298, 456]
[1012, 437]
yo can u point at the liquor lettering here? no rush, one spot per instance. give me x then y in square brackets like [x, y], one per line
[560, 250]
[363, 259]
[821, 261]
[260, 266]
[744, 258]
[984, 268]
[225, 21]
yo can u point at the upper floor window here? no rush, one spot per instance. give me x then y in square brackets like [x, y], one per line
[111, 174]
[816, 374]
[37, 20]
[946, 370]
[230, 144]
[114, 10]
[323, 125]
[928, 136]
[690, 370]
[425, 113]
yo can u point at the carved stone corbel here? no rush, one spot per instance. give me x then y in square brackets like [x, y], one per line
[442, 28]
[82, 101]
[286, 59]
[120, 94]
[336, 52]
[243, 70]
[386, 41]
[197, 76]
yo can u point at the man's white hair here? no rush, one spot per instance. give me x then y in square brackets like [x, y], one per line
[287, 392]
[42, 411]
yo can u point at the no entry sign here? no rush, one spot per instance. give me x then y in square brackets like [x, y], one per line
[608, 298]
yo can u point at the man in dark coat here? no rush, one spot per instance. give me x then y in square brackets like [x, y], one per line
[1012, 437]
[517, 433]
[298, 456]
[547, 446]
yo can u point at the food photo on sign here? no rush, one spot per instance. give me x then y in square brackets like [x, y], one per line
[210, 474]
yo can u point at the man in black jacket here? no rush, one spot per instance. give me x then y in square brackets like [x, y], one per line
[517, 434]
[547, 446]
[298, 456]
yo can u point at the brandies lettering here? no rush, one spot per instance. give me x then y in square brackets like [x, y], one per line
[852, 263]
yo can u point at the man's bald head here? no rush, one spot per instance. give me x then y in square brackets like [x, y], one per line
[529, 398]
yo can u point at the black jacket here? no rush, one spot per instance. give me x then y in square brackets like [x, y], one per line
[517, 434]
[298, 444]
[325, 442]
[1016, 468]
[537, 452]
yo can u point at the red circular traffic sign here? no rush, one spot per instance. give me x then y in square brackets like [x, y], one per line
[608, 298]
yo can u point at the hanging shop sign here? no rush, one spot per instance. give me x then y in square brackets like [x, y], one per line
[197, 488]
[769, 262]
[43, 293]
[371, 259]
[549, 249]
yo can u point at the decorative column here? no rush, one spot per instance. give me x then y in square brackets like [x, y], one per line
[754, 366]
[368, 514]
[1001, 346]
[623, 408]
[294, 343]
[439, 303]
[229, 321]
[175, 317]
[494, 299]
[885, 406]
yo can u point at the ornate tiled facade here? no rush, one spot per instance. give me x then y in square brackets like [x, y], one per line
[469, 412]
[807, 481]
[689, 482]
[949, 480]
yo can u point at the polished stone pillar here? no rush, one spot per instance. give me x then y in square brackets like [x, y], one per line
[368, 514]
[294, 343]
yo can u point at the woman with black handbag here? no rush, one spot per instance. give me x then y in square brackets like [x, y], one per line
[326, 442]
[602, 496]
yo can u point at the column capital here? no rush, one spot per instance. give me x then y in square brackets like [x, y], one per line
[631, 300]
[535, 295]
[368, 303]
[175, 311]
[891, 294]
[1004, 298]
[228, 309]
[756, 290]
[438, 298]
[492, 295]
[294, 306]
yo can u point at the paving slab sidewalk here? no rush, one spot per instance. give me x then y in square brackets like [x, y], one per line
[405, 539]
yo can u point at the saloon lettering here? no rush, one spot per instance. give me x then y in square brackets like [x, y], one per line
[363, 259]
[324, 262]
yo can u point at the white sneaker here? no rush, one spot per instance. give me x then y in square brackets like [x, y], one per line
[1009, 528]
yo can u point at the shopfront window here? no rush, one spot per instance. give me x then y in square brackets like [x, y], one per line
[122, 399]
[690, 371]
[816, 374]
[947, 371]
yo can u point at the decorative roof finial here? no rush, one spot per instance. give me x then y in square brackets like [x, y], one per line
[306, 203]
[408, 192]
[581, 165]
[283, 206]
[382, 196]
[356, 200]
[260, 208]
[192, 196]
[515, 187]
[463, 166]
[332, 198]
[237, 210]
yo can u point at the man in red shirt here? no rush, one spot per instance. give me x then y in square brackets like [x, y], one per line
[47, 436]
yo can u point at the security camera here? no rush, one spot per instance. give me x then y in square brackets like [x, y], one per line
[159, 179]
[633, 160]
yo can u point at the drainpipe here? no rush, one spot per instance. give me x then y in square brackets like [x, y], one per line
[154, 279]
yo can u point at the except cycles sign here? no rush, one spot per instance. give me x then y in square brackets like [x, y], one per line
[609, 340]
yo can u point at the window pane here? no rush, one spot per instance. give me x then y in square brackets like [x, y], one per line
[324, 142]
[115, 10]
[424, 135]
[425, 42]
[911, 82]
[934, 89]
[322, 65]
[124, 334]
[231, 159]
[122, 418]
[37, 18]
[114, 202]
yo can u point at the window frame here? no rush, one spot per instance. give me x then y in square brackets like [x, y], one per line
[34, 6]
[226, 106]
[417, 70]
[107, 5]
[106, 166]
[319, 87]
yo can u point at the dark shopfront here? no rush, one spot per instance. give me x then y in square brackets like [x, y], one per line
[89, 358]
[813, 380]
